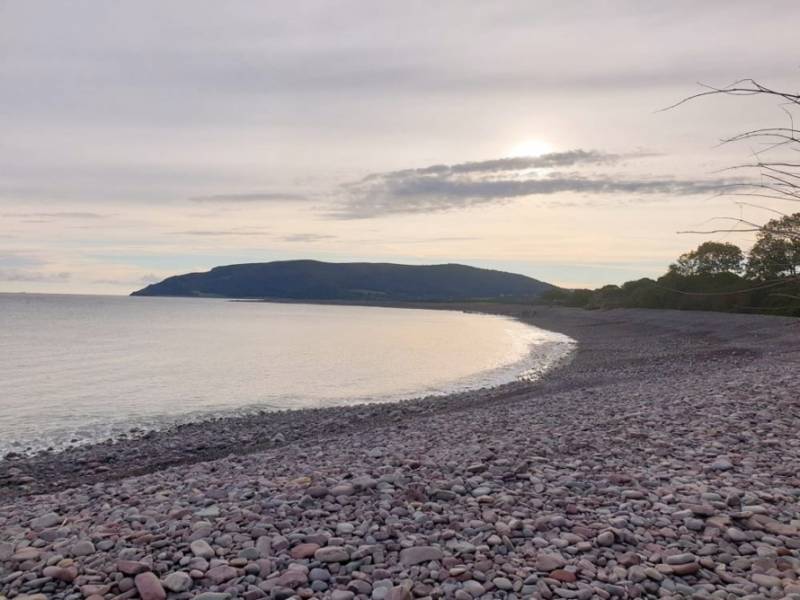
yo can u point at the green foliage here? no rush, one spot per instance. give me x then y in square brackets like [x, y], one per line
[710, 258]
[776, 252]
[712, 277]
[562, 297]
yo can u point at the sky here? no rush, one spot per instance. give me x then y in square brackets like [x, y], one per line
[142, 139]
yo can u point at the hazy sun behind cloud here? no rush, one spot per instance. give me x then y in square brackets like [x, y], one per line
[530, 147]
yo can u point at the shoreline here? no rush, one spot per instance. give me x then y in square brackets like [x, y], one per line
[132, 454]
[528, 357]
[661, 461]
[45, 471]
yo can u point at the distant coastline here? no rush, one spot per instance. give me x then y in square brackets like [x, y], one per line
[317, 280]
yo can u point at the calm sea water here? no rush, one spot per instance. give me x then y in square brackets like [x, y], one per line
[75, 369]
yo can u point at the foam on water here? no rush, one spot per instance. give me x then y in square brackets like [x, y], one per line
[79, 369]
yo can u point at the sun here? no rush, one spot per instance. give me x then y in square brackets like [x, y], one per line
[530, 148]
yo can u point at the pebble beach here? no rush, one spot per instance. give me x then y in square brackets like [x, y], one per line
[661, 460]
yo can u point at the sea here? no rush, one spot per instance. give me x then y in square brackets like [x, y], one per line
[82, 369]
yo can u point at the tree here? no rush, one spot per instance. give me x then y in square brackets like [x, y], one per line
[710, 258]
[776, 252]
[778, 174]
[774, 259]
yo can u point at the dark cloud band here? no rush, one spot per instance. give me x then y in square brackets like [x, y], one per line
[445, 187]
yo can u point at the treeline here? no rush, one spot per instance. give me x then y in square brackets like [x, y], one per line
[715, 276]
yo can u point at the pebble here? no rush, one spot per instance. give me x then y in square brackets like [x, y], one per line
[605, 539]
[178, 581]
[149, 587]
[502, 583]
[26, 554]
[304, 550]
[419, 554]
[679, 559]
[202, 549]
[332, 554]
[46, 520]
[221, 574]
[549, 562]
[767, 581]
[83, 548]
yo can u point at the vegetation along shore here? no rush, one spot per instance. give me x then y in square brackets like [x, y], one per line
[714, 276]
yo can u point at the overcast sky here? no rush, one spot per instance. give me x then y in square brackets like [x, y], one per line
[141, 139]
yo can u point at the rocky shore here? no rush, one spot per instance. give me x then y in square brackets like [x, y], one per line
[662, 462]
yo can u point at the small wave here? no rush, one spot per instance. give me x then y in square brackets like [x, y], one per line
[156, 365]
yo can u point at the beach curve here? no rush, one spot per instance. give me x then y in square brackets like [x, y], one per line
[661, 461]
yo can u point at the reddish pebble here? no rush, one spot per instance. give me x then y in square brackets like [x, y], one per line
[131, 567]
[563, 576]
[304, 550]
[149, 587]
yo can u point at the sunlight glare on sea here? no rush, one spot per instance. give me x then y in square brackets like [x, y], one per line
[85, 368]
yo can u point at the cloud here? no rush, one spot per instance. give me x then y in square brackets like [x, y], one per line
[17, 261]
[32, 276]
[223, 232]
[27, 268]
[307, 237]
[253, 197]
[143, 280]
[446, 187]
[440, 239]
[38, 216]
[522, 163]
